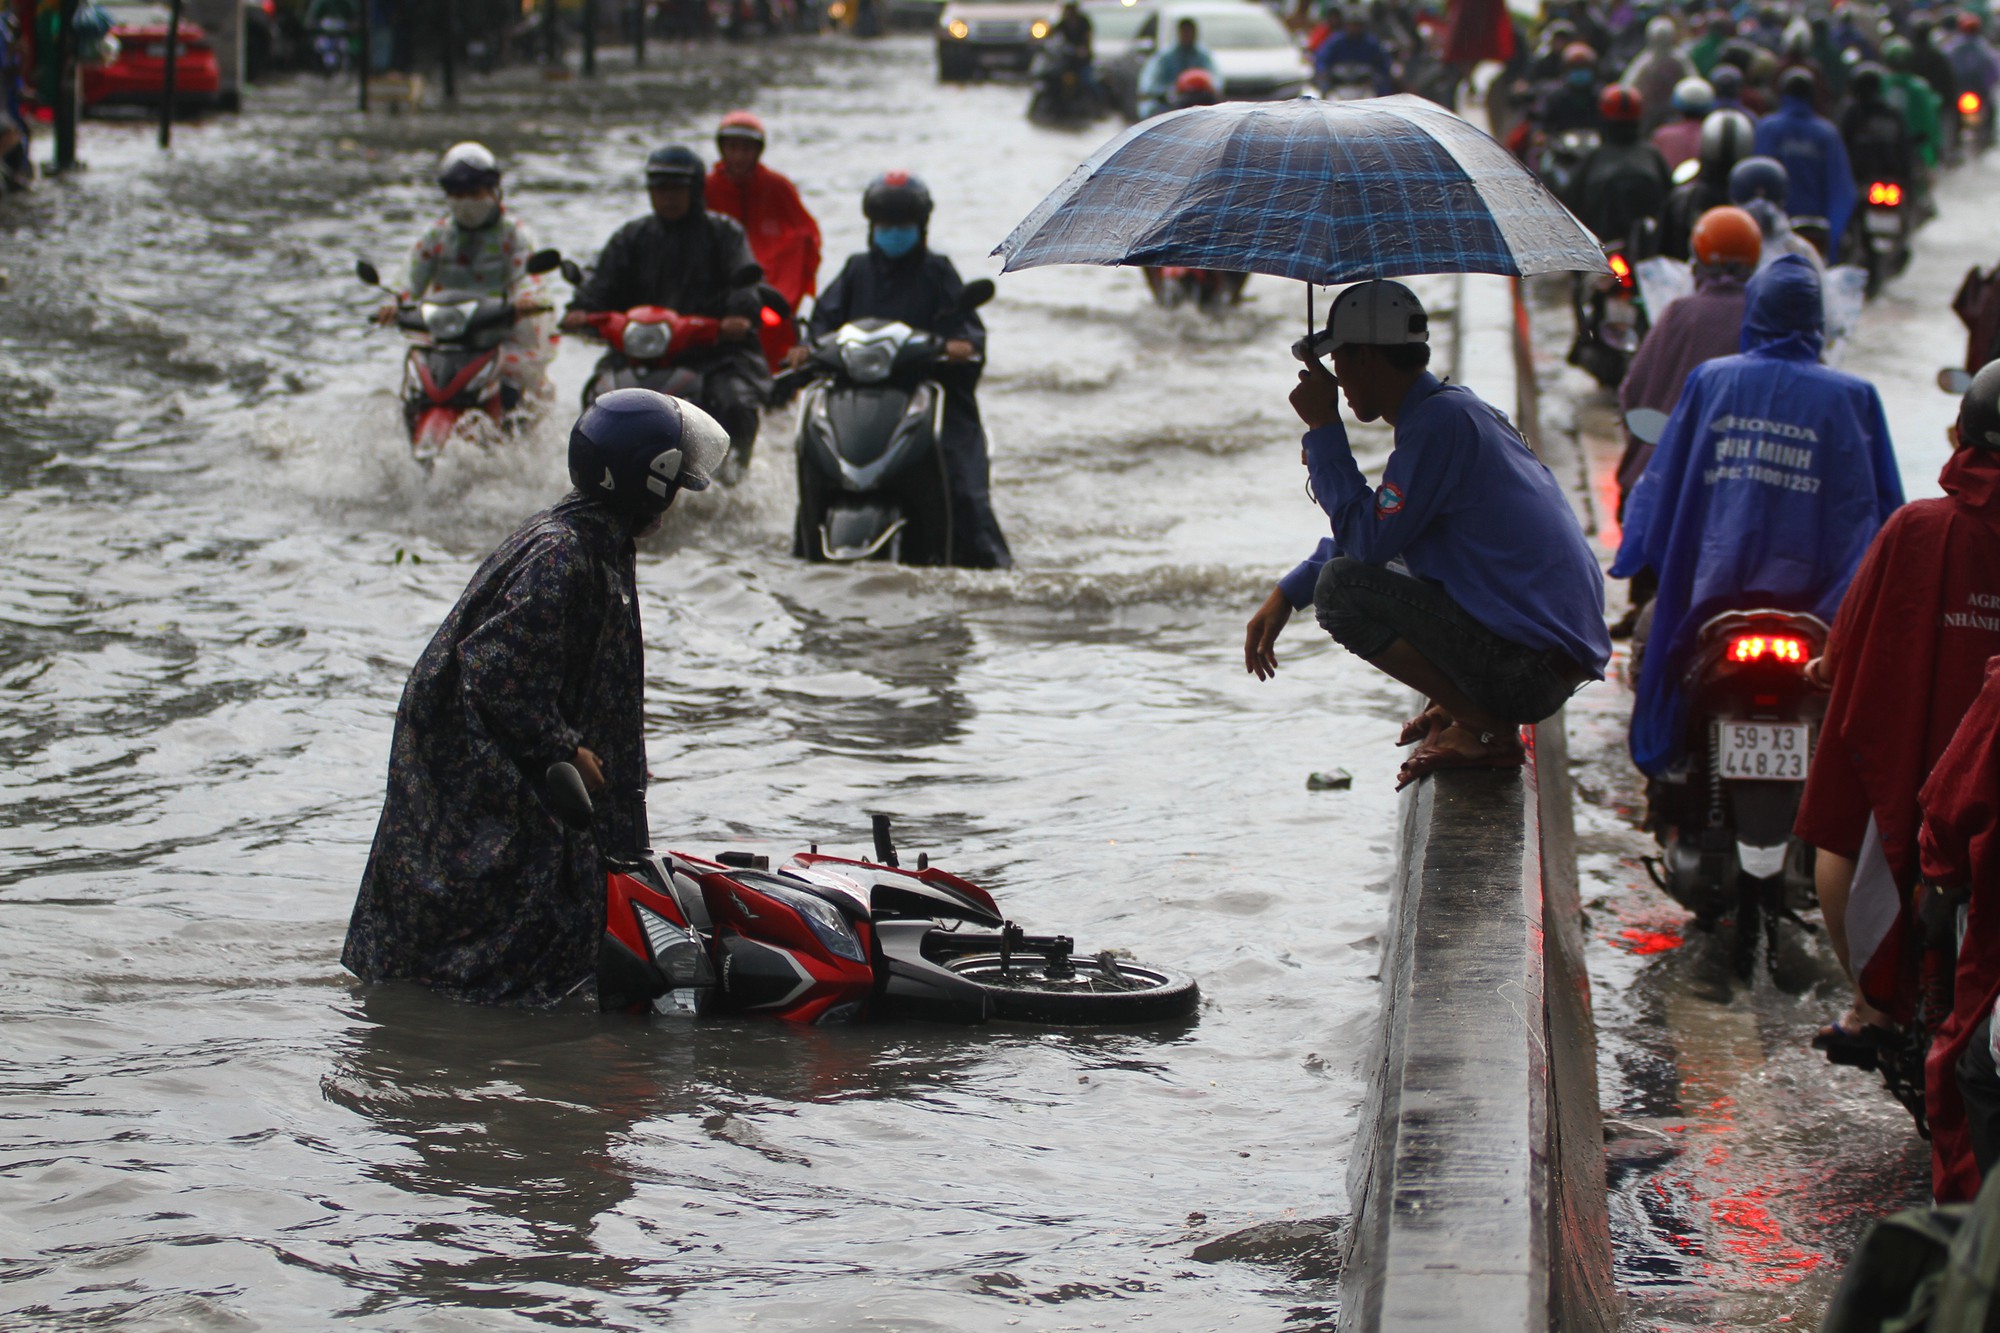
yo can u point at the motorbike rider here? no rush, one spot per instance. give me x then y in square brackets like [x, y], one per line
[1571, 103]
[1760, 187]
[1904, 663]
[1725, 140]
[1821, 180]
[1499, 615]
[1930, 62]
[1353, 45]
[1974, 61]
[1197, 87]
[1156, 81]
[1876, 133]
[1624, 180]
[472, 888]
[1699, 327]
[900, 277]
[1680, 139]
[782, 233]
[1770, 478]
[1903, 89]
[478, 246]
[1727, 81]
[699, 263]
[1656, 71]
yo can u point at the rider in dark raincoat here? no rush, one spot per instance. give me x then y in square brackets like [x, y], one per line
[1771, 478]
[473, 886]
[900, 277]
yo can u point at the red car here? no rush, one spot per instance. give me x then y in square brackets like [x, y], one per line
[137, 76]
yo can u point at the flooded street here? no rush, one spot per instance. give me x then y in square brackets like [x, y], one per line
[1743, 1168]
[221, 564]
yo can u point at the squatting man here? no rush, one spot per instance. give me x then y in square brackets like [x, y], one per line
[1464, 575]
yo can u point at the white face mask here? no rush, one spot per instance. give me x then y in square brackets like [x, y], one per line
[473, 214]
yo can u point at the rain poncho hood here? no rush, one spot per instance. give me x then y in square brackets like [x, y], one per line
[1771, 477]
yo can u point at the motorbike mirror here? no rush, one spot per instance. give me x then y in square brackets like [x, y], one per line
[572, 272]
[1687, 171]
[976, 294]
[544, 261]
[366, 272]
[1953, 380]
[568, 796]
[1647, 424]
[1623, 337]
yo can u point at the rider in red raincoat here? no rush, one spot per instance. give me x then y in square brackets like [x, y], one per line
[782, 234]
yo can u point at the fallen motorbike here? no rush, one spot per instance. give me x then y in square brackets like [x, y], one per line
[1724, 816]
[451, 377]
[1883, 238]
[1065, 93]
[827, 939]
[872, 478]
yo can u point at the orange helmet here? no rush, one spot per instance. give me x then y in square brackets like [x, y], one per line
[1619, 104]
[1195, 81]
[740, 125]
[1727, 236]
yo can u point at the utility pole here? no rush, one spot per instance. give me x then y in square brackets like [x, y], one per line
[549, 52]
[366, 57]
[173, 68]
[450, 49]
[639, 35]
[589, 39]
[65, 107]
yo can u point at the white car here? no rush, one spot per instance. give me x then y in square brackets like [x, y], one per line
[1257, 58]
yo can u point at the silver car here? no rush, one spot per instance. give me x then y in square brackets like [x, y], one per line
[975, 36]
[1257, 58]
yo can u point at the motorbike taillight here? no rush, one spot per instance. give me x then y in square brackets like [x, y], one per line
[1885, 194]
[1621, 269]
[1968, 103]
[1768, 648]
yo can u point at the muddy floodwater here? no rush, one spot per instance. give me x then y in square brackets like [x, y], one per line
[220, 563]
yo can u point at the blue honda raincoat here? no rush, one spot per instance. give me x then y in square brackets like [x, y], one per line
[1770, 480]
[1815, 158]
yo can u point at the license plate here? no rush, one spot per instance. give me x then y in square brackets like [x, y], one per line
[1884, 223]
[1765, 751]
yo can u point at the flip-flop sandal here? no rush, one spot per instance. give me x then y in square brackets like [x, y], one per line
[1429, 759]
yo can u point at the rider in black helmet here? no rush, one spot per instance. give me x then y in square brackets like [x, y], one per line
[899, 277]
[473, 887]
[699, 263]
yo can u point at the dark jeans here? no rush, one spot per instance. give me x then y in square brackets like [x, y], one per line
[1367, 608]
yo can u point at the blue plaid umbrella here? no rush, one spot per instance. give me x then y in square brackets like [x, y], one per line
[1325, 192]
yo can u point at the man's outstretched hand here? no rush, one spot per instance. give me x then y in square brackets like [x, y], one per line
[593, 772]
[1260, 640]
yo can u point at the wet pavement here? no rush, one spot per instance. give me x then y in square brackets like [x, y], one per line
[222, 562]
[1743, 1167]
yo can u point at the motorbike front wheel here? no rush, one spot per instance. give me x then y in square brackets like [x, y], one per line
[1099, 989]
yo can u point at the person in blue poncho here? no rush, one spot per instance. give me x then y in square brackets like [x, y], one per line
[1814, 156]
[1770, 479]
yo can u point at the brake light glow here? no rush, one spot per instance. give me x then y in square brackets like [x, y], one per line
[1776, 647]
[1887, 194]
[1620, 269]
[1968, 104]
[772, 319]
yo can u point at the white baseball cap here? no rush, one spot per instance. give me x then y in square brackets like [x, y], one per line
[1379, 313]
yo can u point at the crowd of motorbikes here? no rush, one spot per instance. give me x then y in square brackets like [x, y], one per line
[1723, 819]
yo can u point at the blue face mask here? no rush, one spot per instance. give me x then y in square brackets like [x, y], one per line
[895, 242]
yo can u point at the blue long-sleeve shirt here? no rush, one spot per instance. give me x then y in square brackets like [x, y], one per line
[1466, 504]
[1815, 158]
[1343, 48]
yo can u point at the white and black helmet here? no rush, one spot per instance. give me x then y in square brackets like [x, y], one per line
[466, 167]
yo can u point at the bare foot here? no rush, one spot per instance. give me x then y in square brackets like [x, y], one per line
[1424, 725]
[1458, 746]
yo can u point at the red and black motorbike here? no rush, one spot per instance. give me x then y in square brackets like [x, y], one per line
[652, 340]
[826, 939]
[451, 377]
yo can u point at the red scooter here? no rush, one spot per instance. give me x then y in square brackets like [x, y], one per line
[451, 377]
[826, 939]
